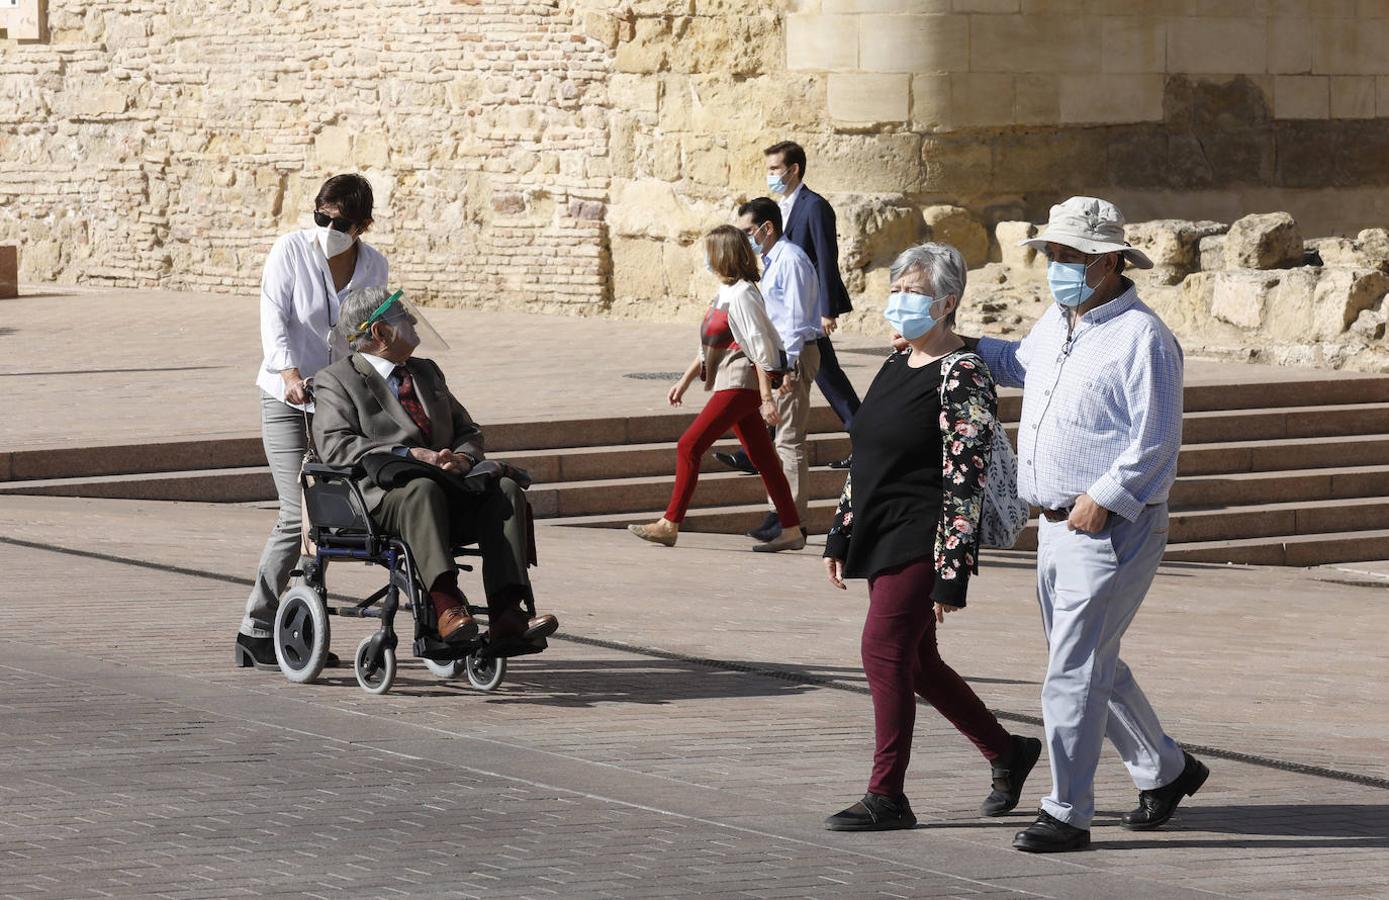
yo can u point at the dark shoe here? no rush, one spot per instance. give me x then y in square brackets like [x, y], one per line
[1051, 835]
[1010, 775]
[874, 813]
[843, 463]
[738, 461]
[257, 652]
[770, 528]
[1155, 807]
[513, 625]
[456, 626]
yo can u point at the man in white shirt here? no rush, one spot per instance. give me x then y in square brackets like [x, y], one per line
[791, 294]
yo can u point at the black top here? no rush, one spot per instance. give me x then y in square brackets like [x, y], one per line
[896, 469]
[912, 493]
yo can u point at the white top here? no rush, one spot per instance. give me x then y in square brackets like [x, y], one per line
[386, 369]
[793, 296]
[787, 202]
[299, 307]
[750, 324]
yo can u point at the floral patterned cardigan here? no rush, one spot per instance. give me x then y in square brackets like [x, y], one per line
[967, 420]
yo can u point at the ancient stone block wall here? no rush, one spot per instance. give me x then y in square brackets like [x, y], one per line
[168, 142]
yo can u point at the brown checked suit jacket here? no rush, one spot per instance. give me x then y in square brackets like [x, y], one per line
[355, 413]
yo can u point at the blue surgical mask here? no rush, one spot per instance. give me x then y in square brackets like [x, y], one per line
[910, 314]
[776, 183]
[1067, 282]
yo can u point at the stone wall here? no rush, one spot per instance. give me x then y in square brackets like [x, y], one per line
[565, 155]
[168, 142]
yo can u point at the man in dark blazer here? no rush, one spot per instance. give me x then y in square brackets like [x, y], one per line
[383, 400]
[810, 225]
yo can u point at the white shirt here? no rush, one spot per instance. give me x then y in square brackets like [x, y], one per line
[787, 202]
[1101, 412]
[386, 369]
[793, 296]
[752, 328]
[299, 307]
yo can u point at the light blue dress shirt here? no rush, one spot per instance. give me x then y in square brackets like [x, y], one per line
[1102, 406]
[792, 293]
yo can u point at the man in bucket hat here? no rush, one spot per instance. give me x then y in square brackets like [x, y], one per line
[1097, 452]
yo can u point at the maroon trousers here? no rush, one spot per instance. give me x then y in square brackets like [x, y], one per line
[901, 660]
[737, 409]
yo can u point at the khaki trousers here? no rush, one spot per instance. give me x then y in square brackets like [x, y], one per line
[789, 436]
[421, 514]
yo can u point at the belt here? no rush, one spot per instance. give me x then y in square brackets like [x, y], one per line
[1057, 515]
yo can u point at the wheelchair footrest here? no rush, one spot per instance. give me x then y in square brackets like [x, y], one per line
[513, 647]
[440, 651]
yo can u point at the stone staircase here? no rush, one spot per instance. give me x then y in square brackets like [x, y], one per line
[1285, 473]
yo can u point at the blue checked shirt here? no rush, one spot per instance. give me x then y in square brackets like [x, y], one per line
[792, 296]
[1101, 412]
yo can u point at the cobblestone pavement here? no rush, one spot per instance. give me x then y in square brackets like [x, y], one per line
[685, 739]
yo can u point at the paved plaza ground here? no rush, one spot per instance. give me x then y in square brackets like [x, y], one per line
[700, 713]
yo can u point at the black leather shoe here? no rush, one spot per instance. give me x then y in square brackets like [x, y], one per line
[1051, 835]
[874, 813]
[1010, 775]
[257, 652]
[738, 461]
[843, 463]
[1155, 807]
[768, 530]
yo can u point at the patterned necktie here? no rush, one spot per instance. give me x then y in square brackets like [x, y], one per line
[411, 402]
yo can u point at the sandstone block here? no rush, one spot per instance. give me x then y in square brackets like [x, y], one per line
[874, 228]
[1210, 253]
[1353, 97]
[1335, 251]
[914, 44]
[1342, 295]
[869, 98]
[1202, 45]
[1263, 241]
[648, 48]
[1172, 244]
[981, 99]
[1302, 97]
[653, 209]
[1290, 313]
[1008, 235]
[1289, 47]
[1239, 298]
[1133, 44]
[332, 147]
[1374, 244]
[819, 42]
[885, 6]
[1114, 98]
[958, 227]
[1025, 43]
[9, 271]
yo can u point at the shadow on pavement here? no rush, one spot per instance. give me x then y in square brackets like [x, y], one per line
[1283, 824]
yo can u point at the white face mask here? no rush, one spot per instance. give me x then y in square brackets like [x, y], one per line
[334, 243]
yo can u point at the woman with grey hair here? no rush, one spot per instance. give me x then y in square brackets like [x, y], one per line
[908, 522]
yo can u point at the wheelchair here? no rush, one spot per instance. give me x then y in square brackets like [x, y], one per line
[339, 528]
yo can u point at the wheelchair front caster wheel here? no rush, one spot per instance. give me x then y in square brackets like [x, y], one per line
[485, 674]
[301, 634]
[374, 675]
[450, 669]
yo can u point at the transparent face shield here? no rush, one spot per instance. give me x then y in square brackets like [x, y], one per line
[407, 323]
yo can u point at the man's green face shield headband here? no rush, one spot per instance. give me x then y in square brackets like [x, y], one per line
[407, 322]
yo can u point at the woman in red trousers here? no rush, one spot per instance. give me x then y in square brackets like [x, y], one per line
[739, 352]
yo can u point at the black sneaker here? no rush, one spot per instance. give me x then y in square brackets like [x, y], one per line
[874, 813]
[738, 461]
[1009, 776]
[1051, 835]
[768, 530]
[844, 463]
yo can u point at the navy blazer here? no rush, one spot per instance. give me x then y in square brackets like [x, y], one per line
[811, 227]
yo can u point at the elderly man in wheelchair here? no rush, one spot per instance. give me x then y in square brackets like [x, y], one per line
[390, 432]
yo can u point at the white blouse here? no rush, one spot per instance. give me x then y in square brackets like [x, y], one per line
[299, 307]
[752, 327]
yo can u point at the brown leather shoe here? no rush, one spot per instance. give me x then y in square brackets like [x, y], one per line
[456, 626]
[513, 624]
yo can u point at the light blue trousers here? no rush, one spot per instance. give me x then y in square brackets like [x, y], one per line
[1090, 587]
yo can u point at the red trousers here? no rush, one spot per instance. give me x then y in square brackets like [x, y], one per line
[901, 660]
[736, 409]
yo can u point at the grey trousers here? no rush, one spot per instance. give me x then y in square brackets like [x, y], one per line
[789, 436]
[285, 439]
[1090, 586]
[421, 514]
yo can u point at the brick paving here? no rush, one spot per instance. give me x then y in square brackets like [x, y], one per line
[136, 762]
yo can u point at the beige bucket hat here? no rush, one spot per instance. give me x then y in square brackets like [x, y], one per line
[1090, 225]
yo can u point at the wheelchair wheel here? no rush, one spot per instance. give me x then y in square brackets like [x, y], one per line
[301, 634]
[450, 669]
[375, 677]
[485, 674]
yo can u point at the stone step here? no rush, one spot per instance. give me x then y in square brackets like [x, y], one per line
[1282, 423]
[733, 519]
[1207, 491]
[630, 496]
[1288, 550]
[238, 485]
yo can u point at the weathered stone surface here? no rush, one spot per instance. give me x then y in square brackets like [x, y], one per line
[1263, 241]
[1172, 245]
[1374, 244]
[875, 229]
[1210, 253]
[1239, 298]
[1009, 235]
[958, 227]
[1341, 295]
